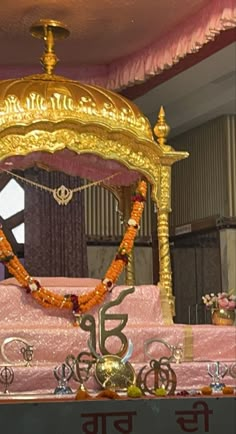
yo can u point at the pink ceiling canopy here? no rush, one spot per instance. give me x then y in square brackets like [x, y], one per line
[88, 166]
[113, 44]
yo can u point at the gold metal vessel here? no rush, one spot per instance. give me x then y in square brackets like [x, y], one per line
[223, 317]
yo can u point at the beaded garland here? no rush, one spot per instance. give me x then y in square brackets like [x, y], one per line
[85, 302]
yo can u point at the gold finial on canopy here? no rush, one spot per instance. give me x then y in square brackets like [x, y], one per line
[161, 128]
[49, 31]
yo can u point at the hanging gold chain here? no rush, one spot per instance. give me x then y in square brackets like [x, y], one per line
[62, 195]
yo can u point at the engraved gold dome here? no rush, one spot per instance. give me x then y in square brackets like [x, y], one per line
[50, 113]
[50, 98]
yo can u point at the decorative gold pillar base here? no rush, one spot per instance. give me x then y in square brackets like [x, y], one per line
[167, 306]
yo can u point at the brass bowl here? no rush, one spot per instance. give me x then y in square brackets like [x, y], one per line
[223, 317]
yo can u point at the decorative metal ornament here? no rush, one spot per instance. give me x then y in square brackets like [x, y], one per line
[176, 351]
[26, 351]
[111, 370]
[159, 376]
[217, 371]
[63, 374]
[62, 194]
[232, 370]
[105, 334]
[6, 377]
[81, 366]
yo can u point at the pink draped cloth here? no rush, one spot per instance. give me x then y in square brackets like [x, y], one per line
[88, 166]
[187, 37]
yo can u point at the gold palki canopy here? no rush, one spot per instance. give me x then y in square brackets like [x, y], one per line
[86, 130]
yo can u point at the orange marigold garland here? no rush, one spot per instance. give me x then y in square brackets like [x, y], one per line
[85, 302]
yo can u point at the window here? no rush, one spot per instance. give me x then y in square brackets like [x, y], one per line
[12, 199]
[12, 203]
[19, 233]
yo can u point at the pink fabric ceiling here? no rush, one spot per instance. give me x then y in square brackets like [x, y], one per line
[113, 43]
[88, 166]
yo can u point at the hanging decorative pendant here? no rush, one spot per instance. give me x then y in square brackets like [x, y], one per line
[62, 195]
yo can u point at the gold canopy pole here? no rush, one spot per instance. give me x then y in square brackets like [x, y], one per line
[163, 208]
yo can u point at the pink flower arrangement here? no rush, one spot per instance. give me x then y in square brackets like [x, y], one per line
[222, 300]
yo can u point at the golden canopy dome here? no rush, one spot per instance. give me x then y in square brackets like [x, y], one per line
[50, 113]
[51, 98]
[54, 99]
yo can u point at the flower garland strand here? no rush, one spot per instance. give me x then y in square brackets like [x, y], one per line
[82, 303]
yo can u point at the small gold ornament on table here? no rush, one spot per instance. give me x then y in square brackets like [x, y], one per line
[158, 379]
[222, 307]
[223, 317]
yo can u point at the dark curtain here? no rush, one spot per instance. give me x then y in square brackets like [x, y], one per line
[198, 254]
[55, 239]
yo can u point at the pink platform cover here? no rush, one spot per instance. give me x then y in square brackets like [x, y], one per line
[53, 336]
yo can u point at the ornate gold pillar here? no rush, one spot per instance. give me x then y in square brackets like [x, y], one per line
[163, 208]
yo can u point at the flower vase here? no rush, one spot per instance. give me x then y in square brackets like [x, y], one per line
[224, 317]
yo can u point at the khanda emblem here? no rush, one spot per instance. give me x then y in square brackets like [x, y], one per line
[159, 375]
[112, 371]
[62, 195]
